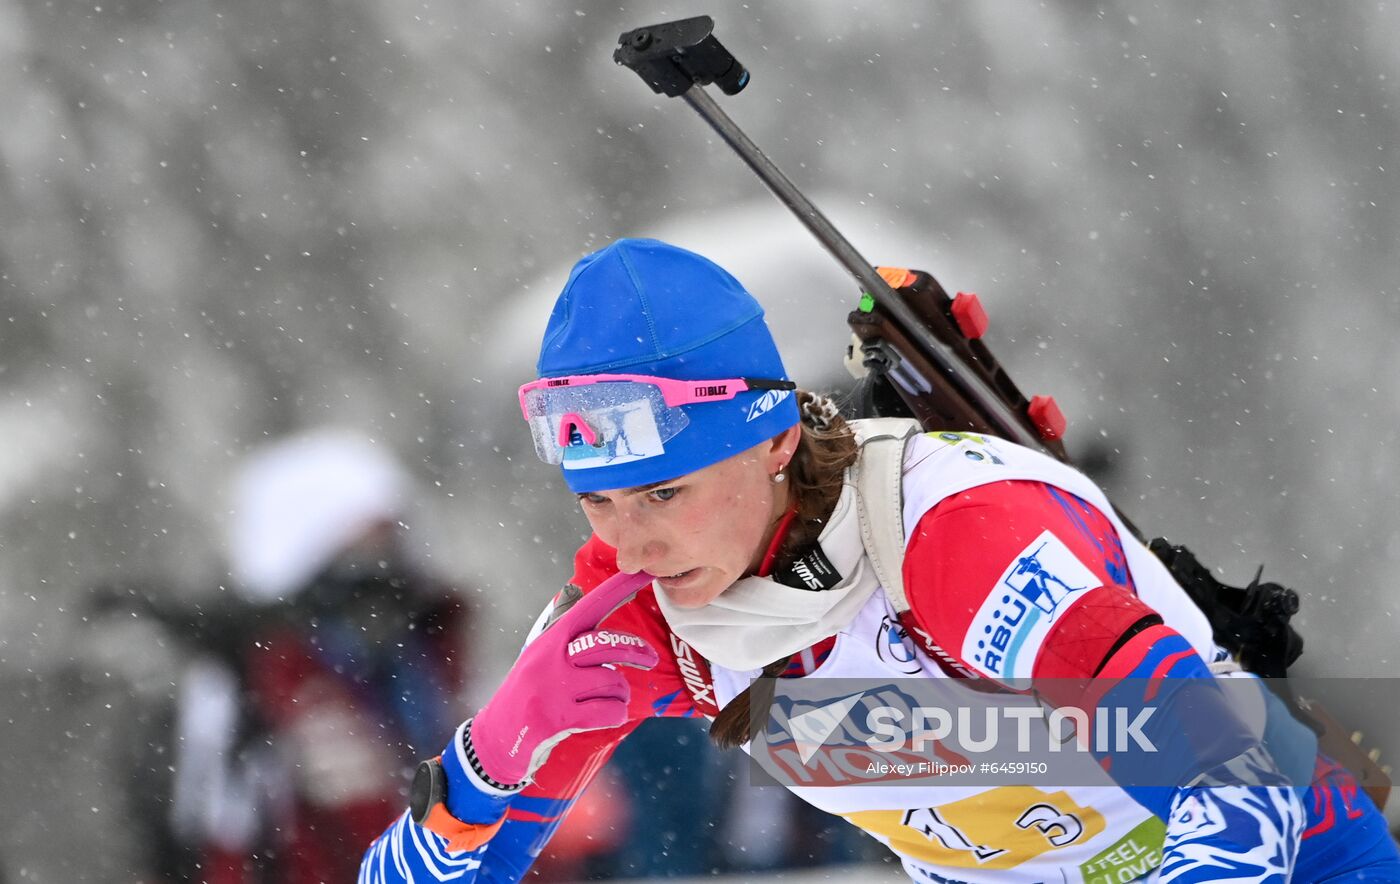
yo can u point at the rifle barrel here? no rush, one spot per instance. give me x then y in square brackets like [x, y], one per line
[1008, 424]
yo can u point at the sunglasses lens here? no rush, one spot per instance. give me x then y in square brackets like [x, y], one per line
[601, 424]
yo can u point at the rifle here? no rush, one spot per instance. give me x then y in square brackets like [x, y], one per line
[918, 352]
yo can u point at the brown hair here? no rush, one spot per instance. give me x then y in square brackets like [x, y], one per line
[816, 473]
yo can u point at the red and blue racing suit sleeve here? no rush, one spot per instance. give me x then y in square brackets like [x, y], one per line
[408, 852]
[1023, 582]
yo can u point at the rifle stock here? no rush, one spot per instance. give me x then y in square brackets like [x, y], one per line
[929, 395]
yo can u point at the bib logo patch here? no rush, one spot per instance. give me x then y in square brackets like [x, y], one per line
[1039, 585]
[893, 648]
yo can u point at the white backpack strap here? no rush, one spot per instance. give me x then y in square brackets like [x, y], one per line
[878, 475]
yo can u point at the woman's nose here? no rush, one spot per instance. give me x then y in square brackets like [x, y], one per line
[638, 549]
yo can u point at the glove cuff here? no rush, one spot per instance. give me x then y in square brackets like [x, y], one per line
[464, 744]
[472, 796]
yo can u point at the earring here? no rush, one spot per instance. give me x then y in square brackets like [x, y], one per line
[779, 477]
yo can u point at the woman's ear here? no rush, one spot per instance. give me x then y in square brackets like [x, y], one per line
[782, 447]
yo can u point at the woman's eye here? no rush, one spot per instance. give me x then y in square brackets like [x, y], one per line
[664, 494]
[593, 499]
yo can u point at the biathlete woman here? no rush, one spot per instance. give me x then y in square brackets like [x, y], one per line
[730, 540]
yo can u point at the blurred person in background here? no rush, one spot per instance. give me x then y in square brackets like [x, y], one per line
[294, 739]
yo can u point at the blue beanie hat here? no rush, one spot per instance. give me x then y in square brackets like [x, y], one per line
[640, 306]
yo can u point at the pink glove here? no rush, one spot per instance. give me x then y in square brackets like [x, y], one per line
[565, 681]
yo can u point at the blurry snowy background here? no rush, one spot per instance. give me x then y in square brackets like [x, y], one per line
[222, 222]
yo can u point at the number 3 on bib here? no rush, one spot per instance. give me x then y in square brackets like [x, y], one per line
[997, 829]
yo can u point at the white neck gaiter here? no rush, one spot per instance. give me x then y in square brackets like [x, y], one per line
[758, 620]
